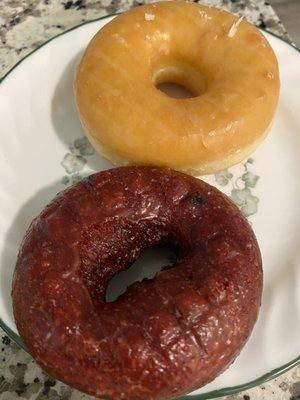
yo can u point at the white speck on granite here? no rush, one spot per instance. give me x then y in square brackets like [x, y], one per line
[24, 25]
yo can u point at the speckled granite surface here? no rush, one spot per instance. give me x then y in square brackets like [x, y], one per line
[24, 25]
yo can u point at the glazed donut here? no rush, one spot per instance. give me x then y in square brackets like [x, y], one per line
[163, 337]
[225, 61]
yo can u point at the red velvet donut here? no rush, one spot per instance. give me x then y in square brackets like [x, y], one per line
[163, 337]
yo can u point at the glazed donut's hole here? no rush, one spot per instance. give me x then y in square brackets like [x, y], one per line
[175, 90]
[147, 265]
[179, 81]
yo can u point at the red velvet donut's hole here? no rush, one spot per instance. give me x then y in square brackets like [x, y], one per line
[146, 266]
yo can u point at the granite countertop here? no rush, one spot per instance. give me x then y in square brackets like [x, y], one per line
[24, 25]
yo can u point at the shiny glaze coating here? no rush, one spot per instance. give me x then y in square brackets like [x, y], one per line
[163, 337]
[226, 62]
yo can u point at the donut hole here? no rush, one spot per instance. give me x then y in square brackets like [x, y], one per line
[179, 80]
[146, 266]
[175, 90]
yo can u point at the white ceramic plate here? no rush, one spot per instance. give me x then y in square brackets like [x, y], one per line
[42, 151]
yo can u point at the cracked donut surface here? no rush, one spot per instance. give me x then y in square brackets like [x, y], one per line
[163, 337]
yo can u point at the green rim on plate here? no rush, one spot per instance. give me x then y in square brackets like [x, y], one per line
[209, 395]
